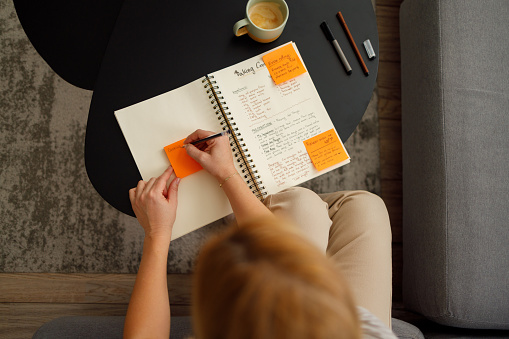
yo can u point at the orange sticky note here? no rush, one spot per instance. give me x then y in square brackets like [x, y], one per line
[284, 64]
[326, 150]
[182, 164]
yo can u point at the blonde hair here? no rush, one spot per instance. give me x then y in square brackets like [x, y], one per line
[262, 280]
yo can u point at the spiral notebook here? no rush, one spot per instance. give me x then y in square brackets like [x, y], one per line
[269, 123]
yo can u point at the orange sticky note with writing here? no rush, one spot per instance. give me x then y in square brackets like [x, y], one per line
[326, 149]
[284, 64]
[182, 164]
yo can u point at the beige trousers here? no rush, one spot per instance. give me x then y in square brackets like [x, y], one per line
[353, 229]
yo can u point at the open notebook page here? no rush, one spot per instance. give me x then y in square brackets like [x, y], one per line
[152, 124]
[275, 120]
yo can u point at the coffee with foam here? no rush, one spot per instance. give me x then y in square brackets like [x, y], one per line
[266, 15]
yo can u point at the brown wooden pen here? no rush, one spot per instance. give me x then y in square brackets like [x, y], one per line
[352, 42]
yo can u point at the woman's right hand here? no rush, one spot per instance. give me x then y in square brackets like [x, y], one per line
[215, 155]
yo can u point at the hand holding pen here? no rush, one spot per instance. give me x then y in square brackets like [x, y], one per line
[213, 136]
[213, 153]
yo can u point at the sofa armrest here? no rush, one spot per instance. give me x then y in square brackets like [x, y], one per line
[455, 104]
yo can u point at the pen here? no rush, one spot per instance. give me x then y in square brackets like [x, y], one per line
[328, 34]
[352, 42]
[210, 137]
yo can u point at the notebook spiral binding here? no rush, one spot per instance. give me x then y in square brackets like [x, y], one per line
[239, 148]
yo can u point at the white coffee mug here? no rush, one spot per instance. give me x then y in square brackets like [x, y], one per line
[260, 34]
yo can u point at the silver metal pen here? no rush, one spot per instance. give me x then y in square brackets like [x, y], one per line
[328, 34]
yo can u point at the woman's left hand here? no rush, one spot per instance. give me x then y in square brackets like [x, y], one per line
[155, 205]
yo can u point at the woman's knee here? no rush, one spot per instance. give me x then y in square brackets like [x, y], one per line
[373, 206]
[294, 200]
[305, 210]
[363, 213]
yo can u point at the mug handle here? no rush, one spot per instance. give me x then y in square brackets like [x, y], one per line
[240, 27]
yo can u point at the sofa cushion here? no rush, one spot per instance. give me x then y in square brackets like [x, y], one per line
[109, 327]
[404, 330]
[455, 123]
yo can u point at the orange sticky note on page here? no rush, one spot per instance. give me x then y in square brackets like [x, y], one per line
[326, 149]
[284, 64]
[182, 164]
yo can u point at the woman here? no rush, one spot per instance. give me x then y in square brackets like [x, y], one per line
[263, 279]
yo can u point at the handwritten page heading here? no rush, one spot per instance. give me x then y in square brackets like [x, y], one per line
[182, 164]
[284, 64]
[325, 150]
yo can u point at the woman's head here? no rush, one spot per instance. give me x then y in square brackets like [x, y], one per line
[262, 280]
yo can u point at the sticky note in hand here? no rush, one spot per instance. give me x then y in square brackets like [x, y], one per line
[182, 164]
[325, 150]
[284, 64]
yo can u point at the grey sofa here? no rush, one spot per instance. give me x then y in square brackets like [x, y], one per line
[455, 130]
[181, 327]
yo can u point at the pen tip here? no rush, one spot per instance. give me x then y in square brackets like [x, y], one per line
[349, 72]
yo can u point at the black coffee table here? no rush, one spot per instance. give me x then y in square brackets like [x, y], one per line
[156, 46]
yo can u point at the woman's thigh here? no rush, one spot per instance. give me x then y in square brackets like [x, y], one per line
[360, 244]
[353, 228]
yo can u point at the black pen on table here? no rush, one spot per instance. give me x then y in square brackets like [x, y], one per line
[328, 34]
[210, 137]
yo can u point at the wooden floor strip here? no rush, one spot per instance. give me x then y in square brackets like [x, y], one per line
[82, 288]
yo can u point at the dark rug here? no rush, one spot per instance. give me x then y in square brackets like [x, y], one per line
[52, 219]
